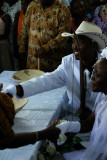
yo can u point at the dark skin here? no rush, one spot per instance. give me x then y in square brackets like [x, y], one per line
[78, 11]
[46, 3]
[41, 53]
[99, 80]
[88, 51]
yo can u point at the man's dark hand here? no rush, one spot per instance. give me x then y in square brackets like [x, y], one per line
[51, 133]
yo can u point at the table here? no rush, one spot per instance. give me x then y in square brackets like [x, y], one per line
[37, 114]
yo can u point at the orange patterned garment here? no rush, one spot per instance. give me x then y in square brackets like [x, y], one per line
[20, 21]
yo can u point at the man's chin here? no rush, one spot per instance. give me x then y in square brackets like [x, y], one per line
[76, 57]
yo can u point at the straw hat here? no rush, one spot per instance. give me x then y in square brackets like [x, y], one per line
[92, 31]
[19, 104]
[27, 74]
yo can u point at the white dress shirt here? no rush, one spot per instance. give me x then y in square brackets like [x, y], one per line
[62, 76]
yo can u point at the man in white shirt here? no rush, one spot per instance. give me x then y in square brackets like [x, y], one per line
[67, 74]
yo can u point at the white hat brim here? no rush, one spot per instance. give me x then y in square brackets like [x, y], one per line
[101, 39]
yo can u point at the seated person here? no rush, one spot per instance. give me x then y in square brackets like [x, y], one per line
[10, 139]
[78, 13]
[92, 4]
[62, 76]
[97, 148]
[100, 18]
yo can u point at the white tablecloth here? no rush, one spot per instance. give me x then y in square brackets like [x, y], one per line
[37, 114]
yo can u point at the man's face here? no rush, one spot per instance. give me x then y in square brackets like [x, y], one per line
[86, 48]
[78, 9]
[99, 77]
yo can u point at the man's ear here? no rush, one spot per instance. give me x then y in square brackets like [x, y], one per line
[95, 46]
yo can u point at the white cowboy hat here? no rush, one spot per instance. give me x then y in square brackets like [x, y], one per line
[92, 31]
[19, 104]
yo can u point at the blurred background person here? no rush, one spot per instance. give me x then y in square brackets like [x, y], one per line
[100, 17]
[11, 7]
[43, 24]
[5, 52]
[78, 13]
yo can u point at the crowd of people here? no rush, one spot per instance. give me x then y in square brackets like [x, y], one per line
[44, 28]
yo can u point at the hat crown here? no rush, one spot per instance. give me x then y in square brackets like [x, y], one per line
[86, 27]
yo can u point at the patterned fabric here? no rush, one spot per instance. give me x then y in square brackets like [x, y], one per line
[12, 10]
[43, 28]
[7, 114]
[101, 24]
[98, 21]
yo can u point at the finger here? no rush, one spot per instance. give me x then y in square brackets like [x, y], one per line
[9, 95]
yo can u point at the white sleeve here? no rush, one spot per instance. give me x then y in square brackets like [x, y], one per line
[48, 81]
[11, 89]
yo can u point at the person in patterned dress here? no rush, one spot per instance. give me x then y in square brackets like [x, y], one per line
[10, 139]
[43, 24]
